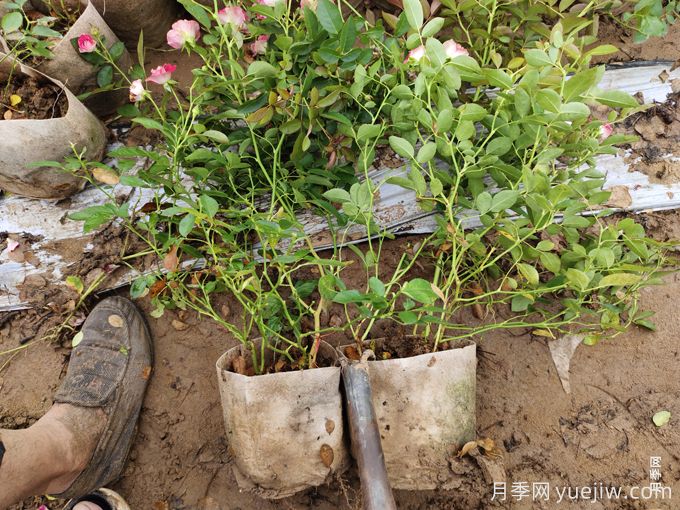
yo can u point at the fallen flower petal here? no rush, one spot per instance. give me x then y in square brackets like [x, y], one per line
[12, 245]
[183, 31]
[86, 43]
[161, 74]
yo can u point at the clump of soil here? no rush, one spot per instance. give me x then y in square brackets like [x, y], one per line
[395, 346]
[659, 132]
[275, 363]
[40, 100]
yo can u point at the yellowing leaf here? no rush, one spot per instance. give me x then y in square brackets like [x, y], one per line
[14, 99]
[661, 418]
[106, 176]
[78, 337]
[75, 283]
[543, 332]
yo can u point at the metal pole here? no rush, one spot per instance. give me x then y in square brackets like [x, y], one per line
[365, 436]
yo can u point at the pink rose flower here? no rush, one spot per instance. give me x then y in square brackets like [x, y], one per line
[183, 32]
[453, 49]
[232, 15]
[43, 507]
[161, 74]
[137, 91]
[605, 131]
[86, 43]
[259, 47]
[415, 54]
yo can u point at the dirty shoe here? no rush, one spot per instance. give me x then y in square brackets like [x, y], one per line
[109, 370]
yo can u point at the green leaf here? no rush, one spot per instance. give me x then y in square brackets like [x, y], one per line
[483, 202]
[420, 290]
[262, 69]
[199, 12]
[414, 13]
[615, 99]
[537, 58]
[75, 283]
[209, 205]
[645, 323]
[581, 82]
[521, 302]
[551, 262]
[499, 146]
[408, 317]
[432, 27]
[348, 296]
[105, 76]
[522, 102]
[529, 272]
[504, 200]
[426, 152]
[549, 100]
[401, 146]
[337, 195]
[329, 16]
[215, 135]
[368, 131]
[620, 280]
[186, 225]
[148, 123]
[436, 187]
[577, 279]
[376, 286]
[472, 112]
[116, 51]
[574, 111]
[11, 22]
[661, 418]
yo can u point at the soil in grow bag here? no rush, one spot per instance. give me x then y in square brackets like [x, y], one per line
[29, 98]
[276, 364]
[396, 346]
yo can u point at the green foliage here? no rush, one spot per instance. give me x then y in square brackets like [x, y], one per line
[508, 141]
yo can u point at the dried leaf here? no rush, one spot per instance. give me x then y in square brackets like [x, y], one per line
[562, 350]
[157, 288]
[12, 245]
[106, 176]
[330, 426]
[278, 366]
[160, 505]
[179, 325]
[7, 115]
[116, 321]
[146, 373]
[327, 455]
[467, 448]
[477, 311]
[171, 261]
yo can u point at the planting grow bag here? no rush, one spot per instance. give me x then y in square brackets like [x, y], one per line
[285, 430]
[127, 18]
[425, 407]
[25, 141]
[79, 75]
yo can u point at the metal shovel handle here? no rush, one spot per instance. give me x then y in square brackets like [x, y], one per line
[365, 435]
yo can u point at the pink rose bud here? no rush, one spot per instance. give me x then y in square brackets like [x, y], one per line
[43, 507]
[605, 131]
[183, 32]
[415, 54]
[259, 47]
[137, 91]
[86, 43]
[161, 74]
[453, 49]
[232, 15]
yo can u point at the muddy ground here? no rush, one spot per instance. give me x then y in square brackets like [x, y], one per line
[602, 432]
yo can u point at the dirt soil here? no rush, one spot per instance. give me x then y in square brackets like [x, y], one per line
[39, 100]
[602, 432]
